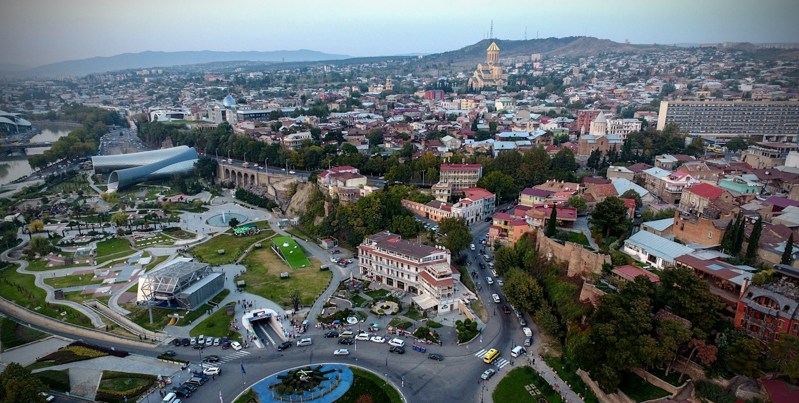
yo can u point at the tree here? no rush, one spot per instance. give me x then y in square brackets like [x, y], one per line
[696, 147]
[119, 219]
[632, 194]
[737, 144]
[505, 259]
[234, 222]
[18, 385]
[754, 240]
[784, 353]
[706, 353]
[36, 226]
[577, 202]
[745, 357]
[787, 255]
[40, 245]
[497, 182]
[740, 231]
[206, 168]
[610, 217]
[295, 299]
[523, 291]
[197, 203]
[552, 224]
[690, 298]
[458, 240]
[564, 164]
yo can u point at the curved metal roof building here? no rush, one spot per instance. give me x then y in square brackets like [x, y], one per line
[129, 169]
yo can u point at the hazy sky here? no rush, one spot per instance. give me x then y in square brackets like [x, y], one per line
[36, 32]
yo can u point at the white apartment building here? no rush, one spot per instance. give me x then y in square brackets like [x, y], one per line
[421, 270]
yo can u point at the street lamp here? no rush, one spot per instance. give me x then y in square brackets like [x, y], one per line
[217, 153]
[228, 155]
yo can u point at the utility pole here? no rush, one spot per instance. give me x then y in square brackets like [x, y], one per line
[491, 36]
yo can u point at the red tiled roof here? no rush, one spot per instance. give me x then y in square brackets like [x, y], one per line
[503, 216]
[635, 271]
[706, 190]
[779, 392]
[630, 203]
[478, 193]
[604, 190]
[436, 282]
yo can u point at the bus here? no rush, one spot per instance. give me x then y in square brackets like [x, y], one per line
[490, 356]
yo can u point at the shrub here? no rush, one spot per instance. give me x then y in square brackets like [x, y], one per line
[713, 392]
[434, 325]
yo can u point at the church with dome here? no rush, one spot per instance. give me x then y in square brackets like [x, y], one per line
[491, 74]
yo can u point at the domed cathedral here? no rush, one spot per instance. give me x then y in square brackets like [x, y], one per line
[491, 74]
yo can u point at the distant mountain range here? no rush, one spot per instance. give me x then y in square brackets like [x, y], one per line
[151, 59]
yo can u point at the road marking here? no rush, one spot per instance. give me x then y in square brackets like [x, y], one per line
[480, 353]
[236, 355]
[501, 362]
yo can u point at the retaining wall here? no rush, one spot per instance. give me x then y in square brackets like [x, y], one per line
[581, 261]
[124, 321]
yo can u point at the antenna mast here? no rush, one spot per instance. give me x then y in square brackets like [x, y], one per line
[491, 36]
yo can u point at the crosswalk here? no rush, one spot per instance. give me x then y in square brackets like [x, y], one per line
[234, 356]
[499, 362]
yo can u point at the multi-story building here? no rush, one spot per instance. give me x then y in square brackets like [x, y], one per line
[483, 198]
[623, 127]
[507, 229]
[294, 141]
[477, 204]
[726, 281]
[461, 176]
[776, 121]
[436, 95]
[530, 196]
[767, 310]
[768, 155]
[421, 270]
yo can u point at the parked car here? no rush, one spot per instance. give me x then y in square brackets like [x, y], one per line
[212, 358]
[528, 342]
[501, 282]
[397, 350]
[522, 322]
[212, 371]
[397, 342]
[169, 353]
[527, 332]
[341, 351]
[186, 342]
[201, 339]
[181, 391]
[284, 345]
[191, 387]
[217, 341]
[505, 309]
[331, 334]
[198, 346]
[346, 340]
[226, 345]
[378, 339]
[176, 342]
[437, 357]
[193, 341]
[209, 341]
[197, 380]
[199, 374]
[487, 374]
[235, 345]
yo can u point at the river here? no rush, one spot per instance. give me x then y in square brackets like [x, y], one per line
[17, 167]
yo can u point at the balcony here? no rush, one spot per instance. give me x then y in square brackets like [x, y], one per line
[673, 188]
[759, 336]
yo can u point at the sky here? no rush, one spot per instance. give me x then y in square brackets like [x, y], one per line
[37, 32]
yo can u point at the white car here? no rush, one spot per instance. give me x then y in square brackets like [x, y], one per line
[378, 339]
[496, 299]
[48, 397]
[212, 371]
[209, 341]
[342, 351]
[292, 172]
[489, 280]
[201, 339]
[193, 341]
[527, 331]
[362, 337]
[396, 342]
[235, 345]
[217, 341]
[500, 282]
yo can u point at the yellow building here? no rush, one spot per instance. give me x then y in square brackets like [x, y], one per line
[491, 74]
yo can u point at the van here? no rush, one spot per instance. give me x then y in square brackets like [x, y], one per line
[396, 342]
[304, 342]
[517, 351]
[345, 334]
[471, 246]
[169, 398]
[490, 356]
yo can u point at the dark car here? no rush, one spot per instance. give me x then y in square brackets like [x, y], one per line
[397, 350]
[186, 342]
[197, 380]
[198, 346]
[346, 340]
[505, 309]
[181, 392]
[212, 358]
[482, 265]
[199, 374]
[225, 345]
[169, 353]
[331, 334]
[176, 342]
[437, 357]
[191, 387]
[284, 346]
[488, 219]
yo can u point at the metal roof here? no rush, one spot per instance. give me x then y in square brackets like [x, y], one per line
[658, 246]
[660, 225]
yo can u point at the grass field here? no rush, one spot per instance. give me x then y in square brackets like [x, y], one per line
[368, 384]
[293, 253]
[71, 281]
[158, 240]
[511, 388]
[263, 277]
[216, 325]
[20, 288]
[41, 265]
[161, 317]
[567, 370]
[57, 380]
[12, 334]
[112, 249]
[234, 247]
[638, 389]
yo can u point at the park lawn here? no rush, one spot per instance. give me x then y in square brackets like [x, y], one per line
[122, 384]
[377, 294]
[357, 301]
[263, 277]
[112, 249]
[217, 325]
[251, 395]
[41, 265]
[673, 377]
[233, 246]
[638, 389]
[141, 316]
[158, 240]
[294, 255]
[368, 384]
[21, 289]
[12, 334]
[575, 237]
[71, 281]
[57, 380]
[511, 388]
[567, 370]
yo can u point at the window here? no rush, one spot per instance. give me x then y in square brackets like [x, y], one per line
[710, 235]
[780, 323]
